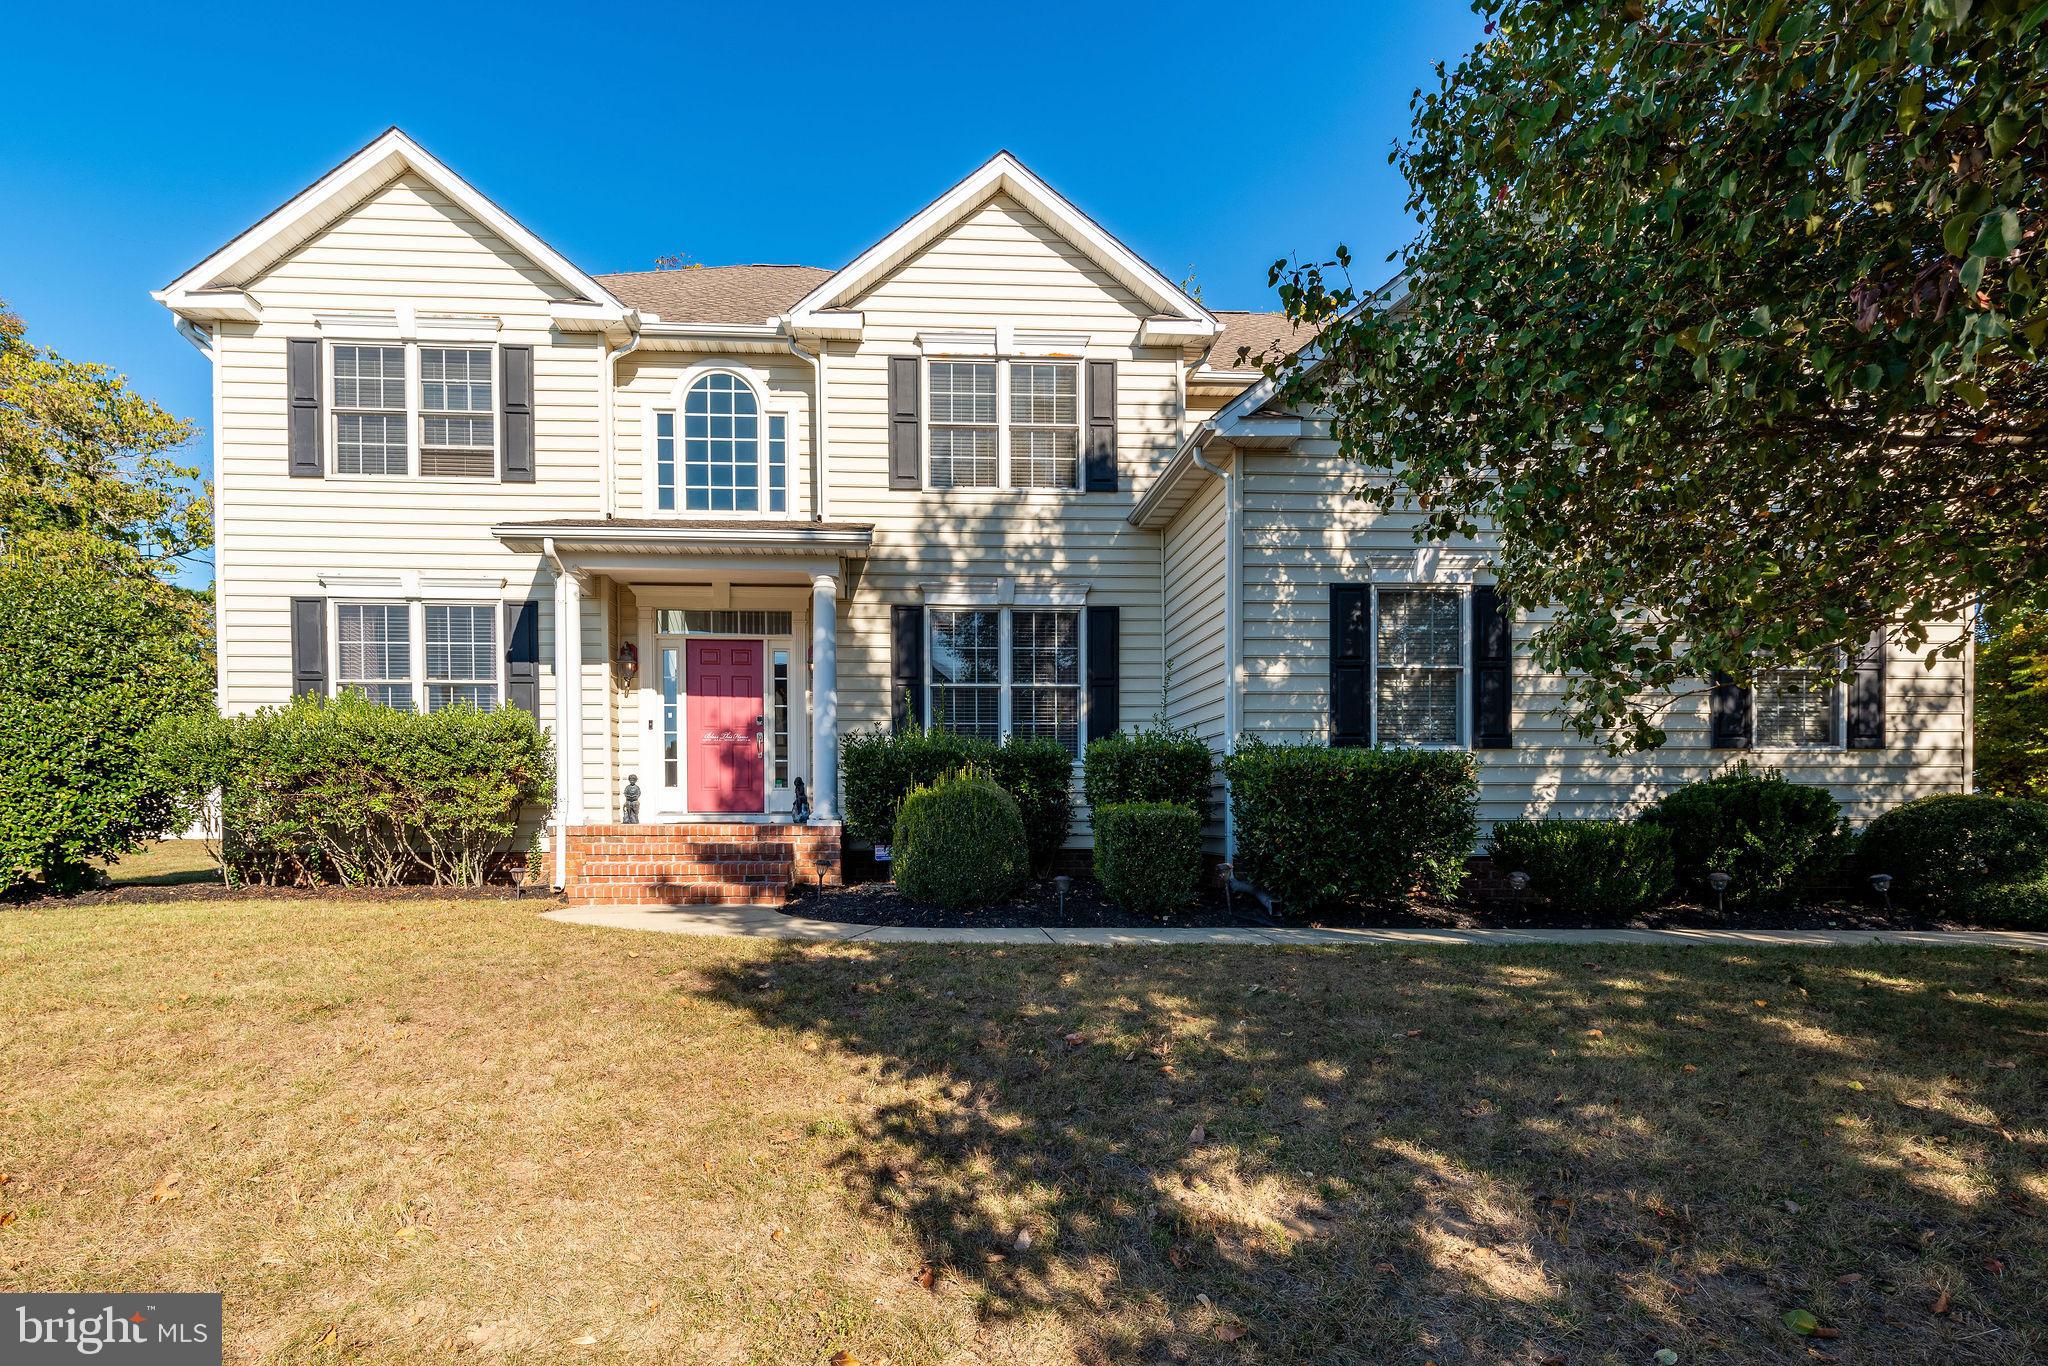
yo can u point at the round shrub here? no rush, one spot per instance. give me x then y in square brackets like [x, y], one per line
[960, 843]
[1605, 870]
[1148, 855]
[2019, 905]
[1773, 838]
[1944, 851]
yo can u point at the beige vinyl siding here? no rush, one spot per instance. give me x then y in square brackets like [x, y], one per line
[1301, 534]
[998, 266]
[404, 244]
[1194, 584]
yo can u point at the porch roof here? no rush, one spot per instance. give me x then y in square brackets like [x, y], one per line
[689, 536]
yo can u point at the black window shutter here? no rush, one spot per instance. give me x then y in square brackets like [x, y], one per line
[515, 380]
[309, 647]
[1866, 695]
[1493, 665]
[905, 463]
[1729, 710]
[906, 667]
[1350, 664]
[1104, 687]
[302, 382]
[522, 657]
[1099, 460]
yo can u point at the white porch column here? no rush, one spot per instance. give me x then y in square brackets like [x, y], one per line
[824, 697]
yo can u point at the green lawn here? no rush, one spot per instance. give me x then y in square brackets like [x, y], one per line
[390, 1132]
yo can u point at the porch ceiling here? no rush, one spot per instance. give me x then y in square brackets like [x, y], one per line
[702, 536]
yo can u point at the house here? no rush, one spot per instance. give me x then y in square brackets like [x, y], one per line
[998, 471]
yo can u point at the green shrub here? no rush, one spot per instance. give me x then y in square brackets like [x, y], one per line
[359, 793]
[1319, 827]
[1039, 773]
[92, 652]
[960, 842]
[1943, 851]
[1775, 839]
[880, 769]
[1148, 855]
[1605, 870]
[2017, 905]
[1159, 765]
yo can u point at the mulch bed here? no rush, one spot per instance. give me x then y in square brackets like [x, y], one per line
[1039, 906]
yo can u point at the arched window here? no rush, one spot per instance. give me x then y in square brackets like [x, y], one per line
[721, 456]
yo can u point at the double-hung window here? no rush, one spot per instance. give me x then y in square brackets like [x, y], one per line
[369, 410]
[997, 672]
[1797, 708]
[988, 416]
[1045, 425]
[1419, 667]
[378, 406]
[462, 655]
[373, 652]
[456, 412]
[412, 655]
[963, 435]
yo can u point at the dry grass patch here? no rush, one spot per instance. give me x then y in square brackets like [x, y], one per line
[444, 1128]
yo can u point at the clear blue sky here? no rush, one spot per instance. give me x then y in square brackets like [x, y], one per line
[141, 137]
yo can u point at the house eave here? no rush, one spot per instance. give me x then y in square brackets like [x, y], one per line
[845, 540]
[210, 305]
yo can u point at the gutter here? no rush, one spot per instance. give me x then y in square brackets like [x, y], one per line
[609, 457]
[817, 364]
[1233, 618]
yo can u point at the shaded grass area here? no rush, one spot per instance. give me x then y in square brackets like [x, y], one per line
[427, 1128]
[165, 863]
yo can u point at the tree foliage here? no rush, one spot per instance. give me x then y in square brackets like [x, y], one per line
[82, 452]
[94, 652]
[2011, 716]
[1729, 317]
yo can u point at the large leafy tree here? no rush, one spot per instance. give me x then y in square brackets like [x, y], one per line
[2011, 720]
[82, 452]
[1728, 317]
[96, 643]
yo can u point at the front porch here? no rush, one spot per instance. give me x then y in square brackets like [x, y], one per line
[696, 705]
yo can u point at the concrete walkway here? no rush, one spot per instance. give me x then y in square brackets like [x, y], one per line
[764, 922]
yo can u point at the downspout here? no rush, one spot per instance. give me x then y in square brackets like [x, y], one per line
[608, 454]
[1233, 620]
[558, 819]
[817, 364]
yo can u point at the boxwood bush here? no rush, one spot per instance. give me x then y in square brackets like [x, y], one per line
[1148, 855]
[1604, 870]
[1163, 764]
[2019, 905]
[879, 769]
[1945, 852]
[960, 842]
[1318, 827]
[357, 793]
[1775, 839]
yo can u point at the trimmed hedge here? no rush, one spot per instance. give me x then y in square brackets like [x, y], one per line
[1775, 839]
[1946, 851]
[1318, 827]
[960, 843]
[2021, 905]
[1160, 765]
[1148, 855]
[1605, 870]
[880, 769]
[353, 792]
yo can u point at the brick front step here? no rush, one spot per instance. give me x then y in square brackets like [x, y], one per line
[704, 864]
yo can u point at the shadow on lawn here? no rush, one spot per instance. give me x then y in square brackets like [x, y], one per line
[1435, 1156]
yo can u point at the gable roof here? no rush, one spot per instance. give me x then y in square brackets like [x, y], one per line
[1004, 174]
[388, 155]
[715, 294]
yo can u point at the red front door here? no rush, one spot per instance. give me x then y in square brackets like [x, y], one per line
[723, 681]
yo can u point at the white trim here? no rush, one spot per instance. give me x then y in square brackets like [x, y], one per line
[1004, 174]
[389, 155]
[1003, 591]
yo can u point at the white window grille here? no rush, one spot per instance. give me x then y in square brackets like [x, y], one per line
[369, 410]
